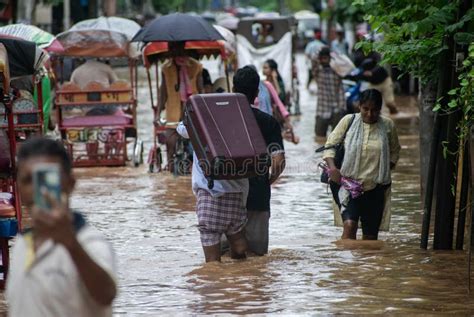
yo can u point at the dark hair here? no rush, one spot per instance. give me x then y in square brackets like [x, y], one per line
[252, 66]
[274, 66]
[246, 81]
[40, 146]
[325, 51]
[371, 96]
[368, 64]
[317, 30]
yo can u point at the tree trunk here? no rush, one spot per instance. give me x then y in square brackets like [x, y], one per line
[110, 8]
[427, 100]
[92, 10]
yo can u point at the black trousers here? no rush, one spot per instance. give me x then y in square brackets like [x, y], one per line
[368, 208]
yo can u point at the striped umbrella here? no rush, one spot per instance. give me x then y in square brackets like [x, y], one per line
[31, 33]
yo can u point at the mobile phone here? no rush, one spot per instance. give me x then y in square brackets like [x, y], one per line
[46, 179]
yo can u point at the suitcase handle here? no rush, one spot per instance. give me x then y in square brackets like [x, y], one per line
[210, 183]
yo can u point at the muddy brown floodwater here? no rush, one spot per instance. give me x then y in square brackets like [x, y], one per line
[150, 220]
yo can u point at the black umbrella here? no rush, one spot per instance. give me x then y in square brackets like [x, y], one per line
[177, 27]
[21, 56]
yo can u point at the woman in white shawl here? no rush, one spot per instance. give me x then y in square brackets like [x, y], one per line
[371, 152]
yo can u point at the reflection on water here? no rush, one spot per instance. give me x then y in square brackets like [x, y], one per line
[151, 222]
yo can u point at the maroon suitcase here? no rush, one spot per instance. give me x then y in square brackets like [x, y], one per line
[225, 136]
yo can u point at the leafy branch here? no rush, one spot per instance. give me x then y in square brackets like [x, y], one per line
[462, 99]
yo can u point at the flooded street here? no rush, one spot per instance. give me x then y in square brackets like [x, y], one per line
[150, 220]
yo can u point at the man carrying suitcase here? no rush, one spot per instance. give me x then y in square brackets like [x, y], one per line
[246, 81]
[220, 210]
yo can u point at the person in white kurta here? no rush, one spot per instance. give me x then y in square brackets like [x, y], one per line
[62, 266]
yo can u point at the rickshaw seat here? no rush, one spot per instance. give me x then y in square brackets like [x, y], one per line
[94, 121]
[120, 84]
[70, 86]
[95, 85]
[5, 159]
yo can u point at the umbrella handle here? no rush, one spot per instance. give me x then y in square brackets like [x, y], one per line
[176, 87]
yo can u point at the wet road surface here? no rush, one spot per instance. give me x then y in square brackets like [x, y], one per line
[150, 220]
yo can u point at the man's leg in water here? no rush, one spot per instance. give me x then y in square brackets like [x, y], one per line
[218, 215]
[256, 231]
[238, 245]
[212, 253]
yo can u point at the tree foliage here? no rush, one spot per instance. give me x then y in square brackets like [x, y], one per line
[166, 6]
[413, 32]
[346, 11]
[462, 99]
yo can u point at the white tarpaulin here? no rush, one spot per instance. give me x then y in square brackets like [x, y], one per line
[280, 52]
[341, 64]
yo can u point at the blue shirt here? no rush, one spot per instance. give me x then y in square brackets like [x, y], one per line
[221, 187]
[264, 99]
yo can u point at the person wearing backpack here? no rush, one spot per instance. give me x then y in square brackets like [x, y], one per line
[371, 151]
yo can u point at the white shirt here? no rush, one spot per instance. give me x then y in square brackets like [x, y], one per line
[93, 71]
[221, 187]
[48, 284]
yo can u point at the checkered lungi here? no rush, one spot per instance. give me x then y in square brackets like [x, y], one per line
[225, 214]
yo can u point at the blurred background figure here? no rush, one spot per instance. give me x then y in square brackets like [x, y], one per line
[331, 106]
[182, 77]
[270, 70]
[379, 79]
[311, 52]
[339, 44]
[93, 70]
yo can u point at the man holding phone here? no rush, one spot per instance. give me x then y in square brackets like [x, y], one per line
[62, 266]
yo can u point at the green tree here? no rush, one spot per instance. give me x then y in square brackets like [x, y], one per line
[414, 32]
[347, 12]
[166, 6]
[426, 38]
[297, 5]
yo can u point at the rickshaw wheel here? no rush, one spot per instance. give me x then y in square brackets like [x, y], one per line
[155, 163]
[159, 159]
[138, 153]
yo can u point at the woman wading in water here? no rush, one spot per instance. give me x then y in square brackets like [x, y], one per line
[371, 152]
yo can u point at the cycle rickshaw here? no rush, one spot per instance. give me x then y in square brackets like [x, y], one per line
[17, 58]
[98, 123]
[26, 73]
[48, 43]
[153, 54]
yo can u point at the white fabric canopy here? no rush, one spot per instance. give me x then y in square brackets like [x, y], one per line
[113, 24]
[281, 52]
[229, 44]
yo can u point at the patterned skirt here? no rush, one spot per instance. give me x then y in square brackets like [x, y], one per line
[219, 215]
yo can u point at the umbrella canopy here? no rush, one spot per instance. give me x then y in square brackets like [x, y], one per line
[178, 27]
[229, 22]
[113, 24]
[31, 33]
[230, 43]
[101, 37]
[24, 57]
